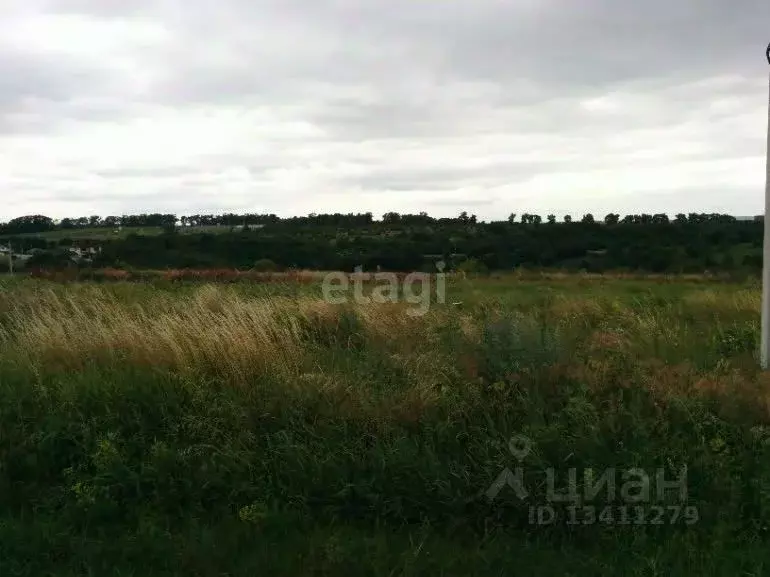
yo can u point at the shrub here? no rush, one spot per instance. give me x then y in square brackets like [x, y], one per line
[472, 266]
[264, 265]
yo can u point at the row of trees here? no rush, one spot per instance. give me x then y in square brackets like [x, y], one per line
[655, 246]
[403, 242]
[40, 223]
[133, 220]
[613, 218]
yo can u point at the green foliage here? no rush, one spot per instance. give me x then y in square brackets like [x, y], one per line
[472, 266]
[55, 258]
[265, 265]
[736, 339]
[401, 242]
[517, 343]
[373, 455]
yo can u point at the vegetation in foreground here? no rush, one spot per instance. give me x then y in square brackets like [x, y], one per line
[152, 429]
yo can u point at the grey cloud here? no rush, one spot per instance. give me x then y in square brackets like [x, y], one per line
[25, 77]
[99, 8]
[38, 92]
[449, 177]
[467, 203]
[417, 57]
[401, 75]
[154, 172]
[269, 47]
[413, 54]
[584, 42]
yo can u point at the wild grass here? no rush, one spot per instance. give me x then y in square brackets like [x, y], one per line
[204, 429]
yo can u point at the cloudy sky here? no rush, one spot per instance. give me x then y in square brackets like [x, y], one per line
[300, 106]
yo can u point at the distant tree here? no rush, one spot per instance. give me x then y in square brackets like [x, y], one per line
[551, 219]
[567, 218]
[167, 223]
[29, 224]
[612, 218]
[588, 218]
[55, 258]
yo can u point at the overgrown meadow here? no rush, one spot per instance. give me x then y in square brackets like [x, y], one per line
[182, 428]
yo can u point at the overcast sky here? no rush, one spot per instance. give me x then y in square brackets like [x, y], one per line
[299, 106]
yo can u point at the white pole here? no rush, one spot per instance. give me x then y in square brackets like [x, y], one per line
[765, 344]
[10, 258]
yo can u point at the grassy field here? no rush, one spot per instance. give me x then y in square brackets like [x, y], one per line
[252, 428]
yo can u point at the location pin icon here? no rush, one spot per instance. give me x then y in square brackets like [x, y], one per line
[520, 446]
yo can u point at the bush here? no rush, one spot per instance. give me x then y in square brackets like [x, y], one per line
[472, 266]
[264, 265]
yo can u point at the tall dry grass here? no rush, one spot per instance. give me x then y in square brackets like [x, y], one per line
[220, 330]
[213, 330]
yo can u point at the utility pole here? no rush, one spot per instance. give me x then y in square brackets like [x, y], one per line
[765, 341]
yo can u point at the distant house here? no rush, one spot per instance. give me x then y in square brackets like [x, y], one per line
[7, 254]
[83, 254]
[6, 251]
[755, 218]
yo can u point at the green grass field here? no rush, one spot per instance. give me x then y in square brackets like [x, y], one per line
[160, 429]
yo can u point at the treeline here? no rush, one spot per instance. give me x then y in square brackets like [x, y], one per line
[685, 245]
[403, 242]
[39, 223]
